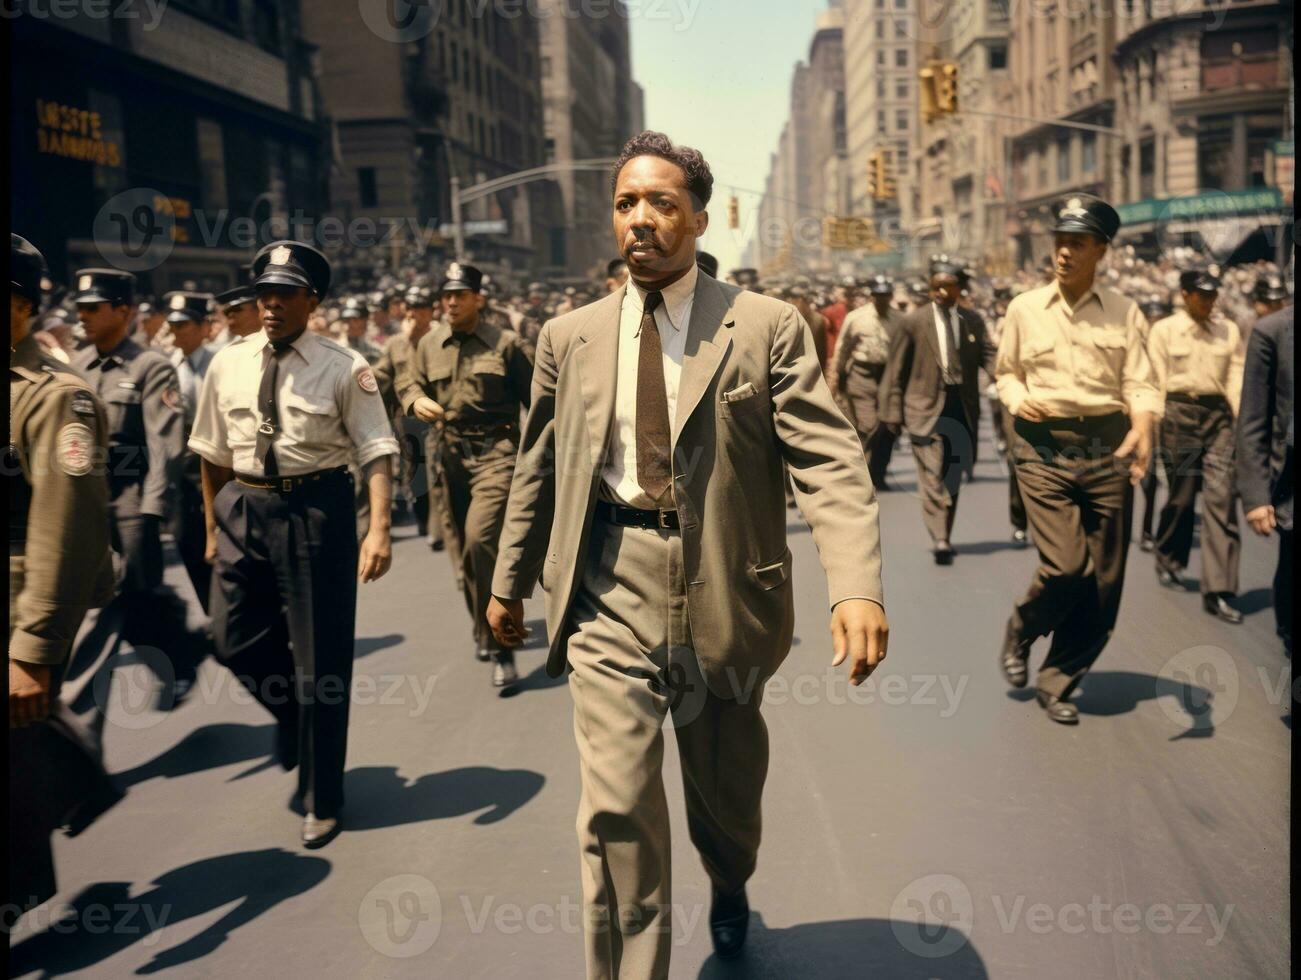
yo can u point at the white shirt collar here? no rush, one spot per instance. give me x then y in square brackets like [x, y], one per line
[677, 296]
[302, 346]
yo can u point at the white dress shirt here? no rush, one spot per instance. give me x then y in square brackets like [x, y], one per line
[190, 372]
[672, 317]
[953, 326]
[329, 403]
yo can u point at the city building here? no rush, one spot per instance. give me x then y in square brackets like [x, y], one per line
[165, 148]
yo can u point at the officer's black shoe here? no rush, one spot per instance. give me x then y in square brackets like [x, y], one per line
[504, 674]
[436, 544]
[1012, 658]
[1020, 538]
[1060, 711]
[943, 553]
[729, 921]
[319, 831]
[483, 654]
[1146, 544]
[1220, 605]
[1169, 579]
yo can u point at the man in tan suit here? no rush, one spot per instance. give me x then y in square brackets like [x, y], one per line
[648, 498]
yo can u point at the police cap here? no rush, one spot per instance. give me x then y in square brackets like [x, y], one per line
[238, 296]
[880, 286]
[185, 306]
[26, 268]
[1199, 280]
[1086, 215]
[104, 286]
[1269, 289]
[461, 278]
[287, 263]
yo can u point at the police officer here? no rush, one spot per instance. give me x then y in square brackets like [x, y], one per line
[858, 367]
[392, 373]
[470, 380]
[1073, 371]
[239, 310]
[1197, 357]
[279, 418]
[59, 566]
[146, 439]
[1154, 308]
[1003, 422]
[355, 318]
[1268, 295]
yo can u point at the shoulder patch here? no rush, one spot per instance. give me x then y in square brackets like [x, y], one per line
[83, 403]
[73, 449]
[172, 397]
[366, 381]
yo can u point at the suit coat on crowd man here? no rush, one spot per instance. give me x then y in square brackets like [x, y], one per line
[1266, 436]
[1073, 370]
[932, 389]
[648, 498]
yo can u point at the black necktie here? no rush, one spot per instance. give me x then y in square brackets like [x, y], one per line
[268, 405]
[654, 470]
[953, 375]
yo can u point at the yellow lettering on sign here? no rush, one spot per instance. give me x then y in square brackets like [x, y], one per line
[78, 134]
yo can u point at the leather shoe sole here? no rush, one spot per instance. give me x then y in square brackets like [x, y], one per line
[1062, 712]
[319, 831]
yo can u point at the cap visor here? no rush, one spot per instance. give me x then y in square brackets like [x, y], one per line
[1079, 227]
[281, 277]
[456, 287]
[90, 296]
[179, 317]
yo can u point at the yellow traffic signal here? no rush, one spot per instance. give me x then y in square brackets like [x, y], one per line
[927, 89]
[946, 88]
[887, 179]
[733, 213]
[880, 176]
[872, 186]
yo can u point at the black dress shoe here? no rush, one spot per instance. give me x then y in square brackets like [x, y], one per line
[729, 920]
[504, 674]
[1012, 658]
[1062, 712]
[1020, 538]
[319, 831]
[1219, 604]
[943, 553]
[1147, 544]
[1169, 579]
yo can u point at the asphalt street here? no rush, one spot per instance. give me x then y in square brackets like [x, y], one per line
[930, 824]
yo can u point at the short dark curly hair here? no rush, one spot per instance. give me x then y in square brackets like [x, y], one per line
[700, 180]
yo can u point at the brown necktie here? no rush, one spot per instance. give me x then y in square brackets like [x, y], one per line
[654, 470]
[953, 376]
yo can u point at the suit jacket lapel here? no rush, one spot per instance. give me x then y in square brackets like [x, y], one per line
[598, 370]
[707, 342]
[928, 311]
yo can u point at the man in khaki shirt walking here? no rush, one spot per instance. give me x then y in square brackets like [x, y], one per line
[1197, 356]
[858, 367]
[1073, 371]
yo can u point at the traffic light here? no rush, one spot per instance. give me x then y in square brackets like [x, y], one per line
[927, 88]
[733, 213]
[882, 183]
[946, 88]
[873, 186]
[887, 183]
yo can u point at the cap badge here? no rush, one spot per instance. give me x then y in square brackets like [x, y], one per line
[454, 271]
[281, 255]
[85, 282]
[178, 302]
[1074, 209]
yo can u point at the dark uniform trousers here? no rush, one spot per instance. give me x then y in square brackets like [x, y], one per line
[862, 385]
[1149, 485]
[285, 611]
[1079, 503]
[191, 531]
[1015, 505]
[942, 457]
[1197, 457]
[476, 475]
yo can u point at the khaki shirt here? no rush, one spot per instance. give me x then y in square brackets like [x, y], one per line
[328, 401]
[1198, 359]
[1085, 361]
[864, 339]
[59, 564]
[393, 371]
[480, 380]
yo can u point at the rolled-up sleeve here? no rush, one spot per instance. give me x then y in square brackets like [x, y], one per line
[208, 437]
[362, 410]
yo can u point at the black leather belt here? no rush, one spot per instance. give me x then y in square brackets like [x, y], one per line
[1209, 401]
[481, 432]
[636, 517]
[287, 484]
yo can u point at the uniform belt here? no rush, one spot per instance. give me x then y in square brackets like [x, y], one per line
[636, 516]
[871, 369]
[287, 484]
[481, 431]
[1187, 398]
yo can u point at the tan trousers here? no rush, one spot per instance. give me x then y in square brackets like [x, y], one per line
[941, 459]
[633, 667]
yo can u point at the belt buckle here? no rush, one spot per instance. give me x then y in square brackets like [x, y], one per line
[662, 518]
[286, 485]
[266, 429]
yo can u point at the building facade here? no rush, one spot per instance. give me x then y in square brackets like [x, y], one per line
[172, 149]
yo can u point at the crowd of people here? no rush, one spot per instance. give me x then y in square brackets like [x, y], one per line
[274, 432]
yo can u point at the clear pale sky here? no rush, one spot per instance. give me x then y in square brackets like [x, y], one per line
[717, 76]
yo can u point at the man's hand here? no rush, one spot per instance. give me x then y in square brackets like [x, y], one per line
[506, 620]
[894, 428]
[859, 631]
[376, 555]
[1137, 448]
[428, 410]
[1262, 520]
[210, 548]
[1032, 411]
[29, 693]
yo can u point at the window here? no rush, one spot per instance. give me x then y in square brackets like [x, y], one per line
[900, 4]
[901, 120]
[880, 120]
[1088, 153]
[266, 25]
[901, 58]
[880, 88]
[901, 30]
[367, 194]
[212, 164]
[546, 67]
[1147, 168]
[880, 58]
[880, 30]
[997, 57]
[1064, 160]
[901, 88]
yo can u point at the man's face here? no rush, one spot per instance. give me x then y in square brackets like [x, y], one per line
[882, 303]
[189, 335]
[285, 309]
[20, 312]
[1075, 257]
[381, 317]
[153, 323]
[1199, 304]
[242, 320]
[356, 327]
[462, 307]
[944, 290]
[1264, 307]
[655, 221]
[104, 323]
[423, 315]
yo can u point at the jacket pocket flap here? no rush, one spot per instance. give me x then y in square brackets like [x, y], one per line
[772, 574]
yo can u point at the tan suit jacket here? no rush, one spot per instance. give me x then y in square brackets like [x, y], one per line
[727, 476]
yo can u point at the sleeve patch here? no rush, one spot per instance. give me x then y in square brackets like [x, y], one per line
[83, 403]
[73, 450]
[172, 397]
[366, 381]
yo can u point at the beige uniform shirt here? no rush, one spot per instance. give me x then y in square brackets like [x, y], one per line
[1198, 359]
[1085, 361]
[864, 339]
[329, 404]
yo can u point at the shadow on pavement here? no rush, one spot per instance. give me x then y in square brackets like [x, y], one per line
[538, 680]
[1115, 692]
[989, 547]
[209, 747]
[367, 645]
[1255, 601]
[104, 919]
[381, 798]
[851, 948]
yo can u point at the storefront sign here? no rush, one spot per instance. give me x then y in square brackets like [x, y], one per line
[67, 131]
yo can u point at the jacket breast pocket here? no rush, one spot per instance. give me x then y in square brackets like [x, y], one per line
[318, 418]
[1108, 354]
[125, 410]
[490, 377]
[742, 401]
